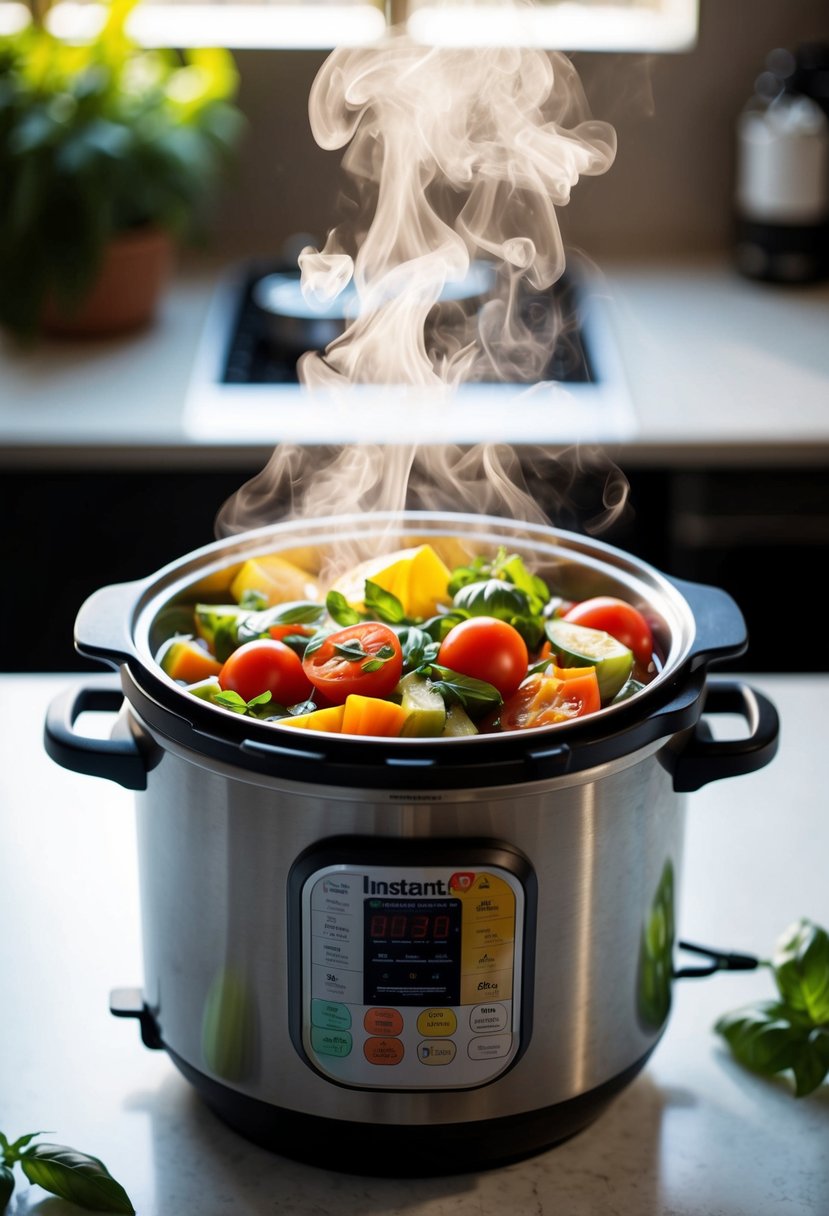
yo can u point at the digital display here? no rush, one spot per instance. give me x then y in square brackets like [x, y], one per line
[412, 951]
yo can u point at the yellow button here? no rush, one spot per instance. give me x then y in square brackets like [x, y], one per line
[437, 1022]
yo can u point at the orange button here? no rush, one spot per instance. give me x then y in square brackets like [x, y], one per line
[383, 1051]
[383, 1021]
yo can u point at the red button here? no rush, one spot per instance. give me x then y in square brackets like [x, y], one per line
[383, 1021]
[383, 1051]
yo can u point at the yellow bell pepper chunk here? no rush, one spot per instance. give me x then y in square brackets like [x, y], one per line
[276, 578]
[417, 577]
[328, 720]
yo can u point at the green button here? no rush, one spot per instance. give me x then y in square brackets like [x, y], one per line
[330, 1042]
[330, 1015]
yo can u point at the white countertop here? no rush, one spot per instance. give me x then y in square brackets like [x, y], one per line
[719, 370]
[694, 1135]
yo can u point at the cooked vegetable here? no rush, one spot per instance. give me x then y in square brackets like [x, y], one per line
[578, 646]
[424, 705]
[276, 579]
[487, 649]
[618, 618]
[366, 659]
[401, 645]
[184, 659]
[265, 665]
[555, 696]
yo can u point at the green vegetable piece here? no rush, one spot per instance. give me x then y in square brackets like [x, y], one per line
[417, 646]
[75, 1176]
[458, 723]
[425, 706]
[493, 597]
[801, 970]
[629, 689]
[219, 624]
[476, 696]
[207, 689]
[578, 646]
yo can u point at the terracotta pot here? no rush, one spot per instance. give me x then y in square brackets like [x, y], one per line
[136, 269]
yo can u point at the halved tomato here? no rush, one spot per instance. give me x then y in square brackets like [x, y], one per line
[365, 659]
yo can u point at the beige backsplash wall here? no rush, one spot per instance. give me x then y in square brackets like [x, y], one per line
[668, 191]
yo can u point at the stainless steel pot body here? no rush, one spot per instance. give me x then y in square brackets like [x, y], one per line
[215, 854]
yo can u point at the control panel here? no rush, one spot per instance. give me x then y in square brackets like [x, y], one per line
[411, 976]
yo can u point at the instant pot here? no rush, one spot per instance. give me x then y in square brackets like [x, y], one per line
[409, 956]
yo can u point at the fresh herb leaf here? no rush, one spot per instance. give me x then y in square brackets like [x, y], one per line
[417, 646]
[12, 1152]
[379, 660]
[298, 612]
[535, 589]
[350, 650]
[382, 605]
[231, 700]
[253, 600]
[491, 597]
[6, 1186]
[75, 1176]
[801, 970]
[791, 1033]
[340, 610]
[475, 696]
[438, 626]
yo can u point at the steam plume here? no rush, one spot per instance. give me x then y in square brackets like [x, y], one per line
[459, 159]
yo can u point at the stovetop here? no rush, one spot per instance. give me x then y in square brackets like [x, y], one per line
[244, 386]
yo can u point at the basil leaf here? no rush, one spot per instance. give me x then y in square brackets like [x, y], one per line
[438, 626]
[535, 589]
[231, 700]
[350, 650]
[298, 612]
[6, 1186]
[75, 1176]
[262, 699]
[493, 597]
[811, 1064]
[382, 605]
[255, 601]
[11, 1152]
[762, 1037]
[340, 610]
[417, 646]
[801, 969]
[379, 660]
[475, 696]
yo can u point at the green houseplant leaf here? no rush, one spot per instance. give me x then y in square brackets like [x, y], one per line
[98, 140]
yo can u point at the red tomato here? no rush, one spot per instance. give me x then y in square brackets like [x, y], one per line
[486, 649]
[265, 665]
[553, 696]
[365, 659]
[618, 618]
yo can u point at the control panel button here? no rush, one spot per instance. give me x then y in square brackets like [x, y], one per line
[331, 1042]
[438, 1022]
[489, 1047]
[330, 1015]
[383, 1051]
[484, 1019]
[486, 986]
[436, 1051]
[388, 1022]
[336, 984]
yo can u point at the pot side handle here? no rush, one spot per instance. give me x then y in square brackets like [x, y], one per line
[720, 626]
[705, 759]
[117, 758]
[102, 626]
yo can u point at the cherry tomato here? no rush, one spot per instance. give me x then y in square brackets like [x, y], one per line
[365, 659]
[545, 698]
[618, 618]
[265, 665]
[486, 649]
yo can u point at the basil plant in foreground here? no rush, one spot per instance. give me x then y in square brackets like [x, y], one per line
[62, 1171]
[790, 1032]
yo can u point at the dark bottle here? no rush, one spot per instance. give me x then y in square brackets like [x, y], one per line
[782, 180]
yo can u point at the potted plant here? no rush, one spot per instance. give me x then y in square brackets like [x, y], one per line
[109, 155]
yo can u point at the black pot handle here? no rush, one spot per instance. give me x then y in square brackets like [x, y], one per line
[117, 759]
[104, 621]
[704, 758]
[721, 631]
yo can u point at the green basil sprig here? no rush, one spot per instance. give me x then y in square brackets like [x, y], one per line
[501, 599]
[792, 1032]
[417, 645]
[232, 700]
[506, 566]
[477, 697]
[62, 1171]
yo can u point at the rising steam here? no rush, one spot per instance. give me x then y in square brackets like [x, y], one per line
[459, 159]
